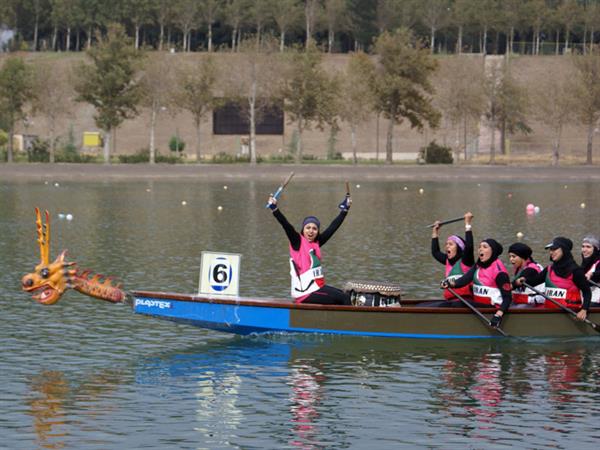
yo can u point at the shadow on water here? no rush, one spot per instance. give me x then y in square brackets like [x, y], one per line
[313, 387]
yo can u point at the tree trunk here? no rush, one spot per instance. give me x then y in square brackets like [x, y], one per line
[233, 34]
[459, 40]
[503, 137]
[567, 32]
[152, 155]
[591, 40]
[493, 144]
[54, 37]
[299, 143]
[432, 40]
[308, 31]
[353, 140]
[252, 104]
[210, 36]
[35, 35]
[52, 149]
[89, 37]
[137, 36]
[282, 41]
[106, 147]
[590, 139]
[198, 140]
[377, 137]
[330, 37]
[78, 40]
[484, 41]
[389, 141]
[10, 148]
[68, 40]
[556, 146]
[465, 136]
[556, 51]
[184, 47]
[161, 36]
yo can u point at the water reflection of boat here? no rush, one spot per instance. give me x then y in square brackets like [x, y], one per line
[255, 315]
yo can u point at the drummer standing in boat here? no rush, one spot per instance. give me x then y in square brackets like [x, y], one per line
[308, 281]
[458, 256]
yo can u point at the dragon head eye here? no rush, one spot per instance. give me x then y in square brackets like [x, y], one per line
[45, 273]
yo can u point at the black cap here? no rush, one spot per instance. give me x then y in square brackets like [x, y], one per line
[560, 242]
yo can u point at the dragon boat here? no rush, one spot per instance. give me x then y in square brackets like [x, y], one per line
[377, 310]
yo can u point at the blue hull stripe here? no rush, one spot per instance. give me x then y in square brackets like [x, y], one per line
[241, 319]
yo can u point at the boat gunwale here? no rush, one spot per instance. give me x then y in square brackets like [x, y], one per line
[289, 304]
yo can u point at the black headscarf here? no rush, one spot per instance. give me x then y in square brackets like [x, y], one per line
[521, 250]
[496, 251]
[565, 265]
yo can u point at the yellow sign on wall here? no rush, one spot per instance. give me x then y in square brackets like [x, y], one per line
[92, 139]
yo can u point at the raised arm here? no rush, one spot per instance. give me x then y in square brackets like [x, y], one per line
[468, 257]
[332, 228]
[437, 254]
[292, 234]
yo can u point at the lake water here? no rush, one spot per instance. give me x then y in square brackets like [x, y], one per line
[88, 374]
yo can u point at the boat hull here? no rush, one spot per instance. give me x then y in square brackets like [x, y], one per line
[247, 316]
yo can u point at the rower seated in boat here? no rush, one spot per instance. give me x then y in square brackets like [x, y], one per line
[524, 266]
[457, 257]
[308, 281]
[491, 283]
[590, 262]
[565, 281]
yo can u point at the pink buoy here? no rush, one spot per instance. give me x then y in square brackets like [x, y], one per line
[530, 208]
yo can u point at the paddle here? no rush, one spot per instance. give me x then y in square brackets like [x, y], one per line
[446, 222]
[281, 188]
[593, 283]
[476, 311]
[347, 189]
[595, 326]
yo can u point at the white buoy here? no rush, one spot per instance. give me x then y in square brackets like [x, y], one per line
[421, 191]
[148, 190]
[536, 210]
[56, 185]
[69, 216]
[225, 187]
[220, 208]
[519, 235]
[565, 186]
[358, 186]
[406, 188]
[61, 216]
[582, 206]
[183, 202]
[45, 182]
[479, 184]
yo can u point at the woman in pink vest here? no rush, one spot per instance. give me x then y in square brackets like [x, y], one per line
[308, 281]
[524, 266]
[590, 263]
[491, 283]
[457, 257]
[565, 280]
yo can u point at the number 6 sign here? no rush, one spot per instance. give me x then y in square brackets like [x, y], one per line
[219, 274]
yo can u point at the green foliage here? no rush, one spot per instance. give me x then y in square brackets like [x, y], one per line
[39, 151]
[109, 83]
[3, 138]
[141, 156]
[69, 152]
[280, 158]
[168, 159]
[436, 154]
[176, 144]
[228, 158]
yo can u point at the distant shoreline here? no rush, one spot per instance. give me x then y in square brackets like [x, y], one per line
[274, 172]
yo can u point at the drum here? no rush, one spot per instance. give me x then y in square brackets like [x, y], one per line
[373, 293]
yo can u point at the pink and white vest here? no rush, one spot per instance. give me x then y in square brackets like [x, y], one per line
[485, 289]
[305, 269]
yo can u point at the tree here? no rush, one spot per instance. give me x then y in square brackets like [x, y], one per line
[402, 83]
[308, 93]
[157, 86]
[163, 14]
[312, 10]
[568, 13]
[210, 11]
[195, 92]
[461, 96]
[109, 83]
[554, 103]
[185, 13]
[260, 14]
[336, 17]
[434, 16]
[139, 13]
[587, 95]
[53, 98]
[355, 99]
[252, 81]
[235, 14]
[287, 15]
[15, 93]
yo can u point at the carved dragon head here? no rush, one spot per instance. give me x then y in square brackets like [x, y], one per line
[49, 281]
